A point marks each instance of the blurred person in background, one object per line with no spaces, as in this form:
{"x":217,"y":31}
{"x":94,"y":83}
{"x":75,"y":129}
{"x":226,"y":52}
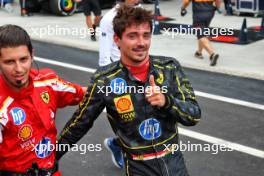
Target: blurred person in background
{"x":7,"y":5}
{"x":24,"y":8}
{"x":108,"y":50}
{"x":203,"y":13}
{"x":90,"y":6}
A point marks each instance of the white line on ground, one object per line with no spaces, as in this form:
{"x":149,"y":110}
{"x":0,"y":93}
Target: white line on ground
{"x":230,"y":100}
{"x":66,"y":65}
{"x":189,"y":133}
{"x":228,"y":144}
{"x":198,"y":93}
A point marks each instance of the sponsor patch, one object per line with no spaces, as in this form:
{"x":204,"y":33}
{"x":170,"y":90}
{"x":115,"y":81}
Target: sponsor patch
{"x":25,"y":132}
{"x":124,"y":104}
{"x":28,"y":145}
{"x":44,"y":148}
{"x":150,"y":129}
{"x":45,"y":97}
{"x":160,"y":80}
{"x":18,"y":115}
{"x":118,"y":86}
{"x":127,"y":117}
{"x":125,"y":108}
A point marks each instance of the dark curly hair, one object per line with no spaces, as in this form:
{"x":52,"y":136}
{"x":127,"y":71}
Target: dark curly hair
{"x":129,"y":15}
{"x":14,"y":36}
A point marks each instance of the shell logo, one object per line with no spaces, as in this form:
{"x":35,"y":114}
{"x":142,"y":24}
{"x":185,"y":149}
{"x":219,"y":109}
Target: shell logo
{"x":25,"y":132}
{"x":123,"y":104}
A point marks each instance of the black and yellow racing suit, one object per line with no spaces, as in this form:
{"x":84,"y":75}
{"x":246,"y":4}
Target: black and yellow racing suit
{"x":144,"y":131}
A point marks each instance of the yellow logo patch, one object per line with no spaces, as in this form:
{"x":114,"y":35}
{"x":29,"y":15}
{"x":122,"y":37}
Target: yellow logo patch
{"x":160,"y":80}
{"x":124,"y":104}
{"x":45,"y":97}
{"x":25,"y":132}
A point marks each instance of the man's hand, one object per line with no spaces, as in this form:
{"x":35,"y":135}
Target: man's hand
{"x":84,"y":89}
{"x":153,"y":94}
{"x":1,"y":136}
{"x":183,"y":11}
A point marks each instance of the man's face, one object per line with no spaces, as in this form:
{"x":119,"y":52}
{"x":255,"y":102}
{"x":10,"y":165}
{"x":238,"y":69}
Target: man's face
{"x":135,"y":43}
{"x":15,"y":65}
{"x":132,"y":2}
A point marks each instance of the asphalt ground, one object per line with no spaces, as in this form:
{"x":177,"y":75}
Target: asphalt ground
{"x":234,"y":123}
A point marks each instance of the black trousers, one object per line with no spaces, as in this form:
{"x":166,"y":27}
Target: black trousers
{"x":202,"y":20}
{"x":227,"y":2}
{"x":30,"y":5}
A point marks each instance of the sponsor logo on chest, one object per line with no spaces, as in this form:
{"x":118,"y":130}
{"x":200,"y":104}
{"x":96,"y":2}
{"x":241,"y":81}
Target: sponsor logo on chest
{"x":125,"y":108}
{"x":150,"y":129}
{"x":18,"y":115}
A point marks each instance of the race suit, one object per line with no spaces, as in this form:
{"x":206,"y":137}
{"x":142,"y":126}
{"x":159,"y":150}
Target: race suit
{"x":143,"y":130}
{"x":28,"y":120}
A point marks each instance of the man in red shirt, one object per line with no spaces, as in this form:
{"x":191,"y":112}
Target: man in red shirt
{"x":29,"y":99}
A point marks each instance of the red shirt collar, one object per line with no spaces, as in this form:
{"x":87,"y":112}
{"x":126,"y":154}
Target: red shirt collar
{"x":139,"y":72}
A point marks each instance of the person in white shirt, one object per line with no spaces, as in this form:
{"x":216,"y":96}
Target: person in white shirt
{"x":108,"y":51}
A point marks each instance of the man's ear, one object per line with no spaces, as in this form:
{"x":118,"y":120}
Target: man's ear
{"x":116,"y":40}
{"x":33,"y":54}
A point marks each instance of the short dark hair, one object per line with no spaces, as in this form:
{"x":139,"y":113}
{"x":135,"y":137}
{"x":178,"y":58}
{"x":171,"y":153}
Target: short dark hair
{"x":129,"y":15}
{"x":14,"y":36}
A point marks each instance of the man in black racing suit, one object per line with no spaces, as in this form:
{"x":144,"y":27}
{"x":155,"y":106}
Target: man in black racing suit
{"x":145,"y":98}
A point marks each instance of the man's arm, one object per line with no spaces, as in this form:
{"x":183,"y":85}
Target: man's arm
{"x":181,"y":102}
{"x":218,"y":3}
{"x":83,"y":118}
{"x":185,"y":4}
{"x":106,"y":41}
{"x":68,"y":93}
